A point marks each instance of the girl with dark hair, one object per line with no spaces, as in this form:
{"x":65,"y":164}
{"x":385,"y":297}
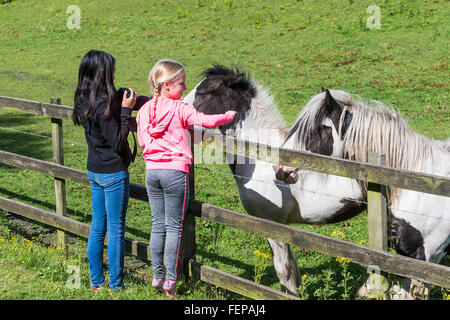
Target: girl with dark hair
{"x":105,"y":117}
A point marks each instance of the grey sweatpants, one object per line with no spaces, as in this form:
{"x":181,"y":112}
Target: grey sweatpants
{"x":168,"y":194}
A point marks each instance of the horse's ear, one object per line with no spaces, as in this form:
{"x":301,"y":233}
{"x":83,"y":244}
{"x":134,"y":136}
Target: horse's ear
{"x":323,"y":89}
{"x":239,"y":77}
{"x":232,"y":79}
{"x":210,"y":89}
{"x":330,"y":103}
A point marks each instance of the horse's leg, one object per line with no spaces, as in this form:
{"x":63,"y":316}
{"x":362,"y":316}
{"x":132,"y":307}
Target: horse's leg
{"x":409,"y":242}
{"x":285,"y":266}
{"x":410,"y":289}
{"x":421,"y":290}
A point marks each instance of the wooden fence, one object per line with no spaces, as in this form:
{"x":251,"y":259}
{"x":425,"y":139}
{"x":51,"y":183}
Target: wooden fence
{"x":374,"y":173}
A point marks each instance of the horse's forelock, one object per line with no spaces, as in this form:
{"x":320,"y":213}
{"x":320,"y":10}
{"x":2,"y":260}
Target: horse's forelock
{"x":218,"y":70}
{"x":331,"y":104}
{"x":224,"y":89}
{"x":208,"y":86}
{"x":232,"y":78}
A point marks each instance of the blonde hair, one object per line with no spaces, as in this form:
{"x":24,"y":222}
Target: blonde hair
{"x":164,"y":70}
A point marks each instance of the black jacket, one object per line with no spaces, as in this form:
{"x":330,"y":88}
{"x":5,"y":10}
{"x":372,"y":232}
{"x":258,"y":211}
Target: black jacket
{"x":108,"y":149}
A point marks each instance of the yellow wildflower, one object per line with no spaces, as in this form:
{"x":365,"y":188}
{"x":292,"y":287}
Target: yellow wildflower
{"x":343,"y":261}
{"x":264,"y":255}
{"x":337,"y":234}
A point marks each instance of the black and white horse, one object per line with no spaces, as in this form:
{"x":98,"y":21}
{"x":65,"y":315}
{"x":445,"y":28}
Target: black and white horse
{"x":317,"y":198}
{"x":341,"y":126}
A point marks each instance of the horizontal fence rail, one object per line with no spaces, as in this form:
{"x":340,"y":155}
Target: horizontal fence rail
{"x":386,"y":261}
{"x":37,"y":108}
{"x":410,"y":180}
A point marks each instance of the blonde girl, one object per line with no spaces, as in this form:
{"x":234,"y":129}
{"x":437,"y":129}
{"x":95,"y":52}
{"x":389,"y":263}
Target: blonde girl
{"x":163,"y":125}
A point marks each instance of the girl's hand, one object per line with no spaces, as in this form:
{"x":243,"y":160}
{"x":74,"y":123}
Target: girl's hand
{"x":129,"y":102}
{"x":231,"y":113}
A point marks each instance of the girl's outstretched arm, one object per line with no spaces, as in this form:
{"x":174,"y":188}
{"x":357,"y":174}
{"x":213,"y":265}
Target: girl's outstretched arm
{"x":193,"y":117}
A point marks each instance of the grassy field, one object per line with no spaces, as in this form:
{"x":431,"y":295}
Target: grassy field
{"x":292,"y":47}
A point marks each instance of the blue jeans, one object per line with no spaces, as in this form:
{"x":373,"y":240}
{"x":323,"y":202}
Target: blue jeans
{"x":110,"y":193}
{"x":168,"y":193}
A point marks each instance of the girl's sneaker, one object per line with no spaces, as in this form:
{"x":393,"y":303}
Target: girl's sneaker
{"x":158,"y":284}
{"x":118,"y":289}
{"x":170,"y":288}
{"x":97,"y":288}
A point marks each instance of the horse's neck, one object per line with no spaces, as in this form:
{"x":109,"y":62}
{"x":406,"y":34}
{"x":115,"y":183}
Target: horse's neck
{"x":255,"y":130}
{"x":441,"y":158}
{"x":383,"y":131}
{"x":262,"y":131}
{"x":262,"y":123}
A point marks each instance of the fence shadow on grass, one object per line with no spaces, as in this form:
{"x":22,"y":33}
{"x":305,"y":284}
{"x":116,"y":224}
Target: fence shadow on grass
{"x":16,"y":142}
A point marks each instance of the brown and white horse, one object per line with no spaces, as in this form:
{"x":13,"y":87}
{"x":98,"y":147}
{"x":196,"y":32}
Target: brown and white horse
{"x":315,"y":199}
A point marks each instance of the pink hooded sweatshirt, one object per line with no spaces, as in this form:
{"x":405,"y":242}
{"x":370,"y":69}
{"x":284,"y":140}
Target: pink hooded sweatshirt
{"x":164,"y":134}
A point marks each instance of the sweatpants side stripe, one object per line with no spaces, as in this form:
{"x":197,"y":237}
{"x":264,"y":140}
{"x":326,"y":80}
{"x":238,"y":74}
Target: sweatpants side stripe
{"x":181,"y":229}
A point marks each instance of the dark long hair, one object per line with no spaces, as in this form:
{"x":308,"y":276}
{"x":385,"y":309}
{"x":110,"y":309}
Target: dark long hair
{"x":95,"y":80}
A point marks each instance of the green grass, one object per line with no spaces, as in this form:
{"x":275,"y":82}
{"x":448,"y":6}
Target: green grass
{"x":293,"y":48}
{"x":41,"y":271}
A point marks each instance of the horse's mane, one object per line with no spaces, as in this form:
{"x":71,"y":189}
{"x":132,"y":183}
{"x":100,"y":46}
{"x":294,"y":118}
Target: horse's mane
{"x":264,"y":111}
{"x":219,"y":70}
{"x":374,"y":127}
{"x":244,"y":83}
{"x":381,"y":129}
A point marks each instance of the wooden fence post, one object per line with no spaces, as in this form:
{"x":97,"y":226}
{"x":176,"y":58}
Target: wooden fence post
{"x":377,"y":223}
{"x":186,"y":265}
{"x":60,"y":184}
